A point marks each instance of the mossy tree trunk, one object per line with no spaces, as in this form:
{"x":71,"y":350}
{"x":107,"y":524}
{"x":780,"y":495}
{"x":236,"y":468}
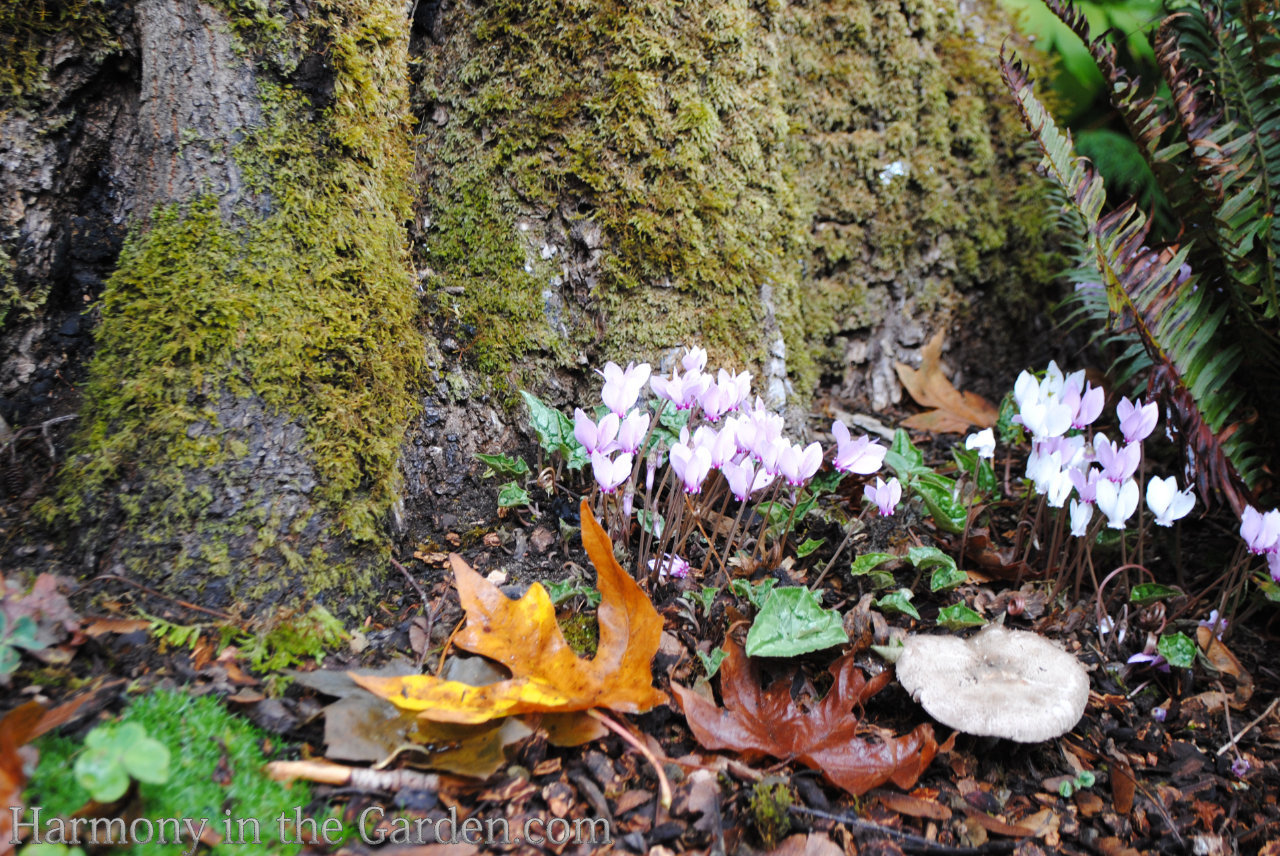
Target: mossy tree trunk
{"x":259,"y":197}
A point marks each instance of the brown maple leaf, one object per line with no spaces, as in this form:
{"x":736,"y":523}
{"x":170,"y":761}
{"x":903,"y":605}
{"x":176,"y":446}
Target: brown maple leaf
{"x":954,"y":411}
{"x":824,"y":737}
{"x":547,"y":676}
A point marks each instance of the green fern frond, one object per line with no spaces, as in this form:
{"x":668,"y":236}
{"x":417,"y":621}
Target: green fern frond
{"x":1155,"y":301}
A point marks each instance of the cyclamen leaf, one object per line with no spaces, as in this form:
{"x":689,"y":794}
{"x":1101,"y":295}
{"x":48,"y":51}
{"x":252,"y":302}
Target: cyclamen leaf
{"x":754,"y":593}
{"x":793,"y":622}
{"x":899,"y":601}
{"x":1178,"y":649}
{"x":1145,"y":593}
{"x":512,"y":495}
{"x":504,"y":465}
{"x":555,"y":432}
{"x":711,"y":662}
{"x":826,"y":736}
{"x":867,"y":562}
{"x":809,"y":546}
{"x":958,"y":616}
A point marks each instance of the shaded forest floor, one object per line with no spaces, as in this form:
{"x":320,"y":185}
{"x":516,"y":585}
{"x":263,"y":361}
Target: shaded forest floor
{"x":1177,"y":762}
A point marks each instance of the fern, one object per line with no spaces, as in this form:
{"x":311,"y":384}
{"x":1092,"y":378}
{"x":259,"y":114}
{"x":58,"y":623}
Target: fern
{"x":1164,"y":308}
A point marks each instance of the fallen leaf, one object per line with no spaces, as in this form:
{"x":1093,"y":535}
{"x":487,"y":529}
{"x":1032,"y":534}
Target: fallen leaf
{"x":954,"y":411}
{"x":813,"y":844}
{"x":913,"y":806}
{"x":826,"y":737}
{"x":1222,"y":660}
{"x":524,"y":636}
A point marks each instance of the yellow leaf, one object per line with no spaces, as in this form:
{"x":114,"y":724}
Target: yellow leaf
{"x":524,"y":636}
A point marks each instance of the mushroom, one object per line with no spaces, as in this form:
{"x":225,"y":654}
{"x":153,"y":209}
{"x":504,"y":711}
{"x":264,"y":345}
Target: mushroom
{"x":998,"y":683}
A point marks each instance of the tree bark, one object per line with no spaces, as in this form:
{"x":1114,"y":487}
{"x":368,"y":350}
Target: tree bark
{"x":264,"y":215}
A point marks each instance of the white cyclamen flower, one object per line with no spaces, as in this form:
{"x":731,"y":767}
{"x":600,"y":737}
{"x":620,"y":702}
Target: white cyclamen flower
{"x":1166,"y":502}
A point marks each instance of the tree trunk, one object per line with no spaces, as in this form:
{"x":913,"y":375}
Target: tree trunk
{"x":807,"y":188}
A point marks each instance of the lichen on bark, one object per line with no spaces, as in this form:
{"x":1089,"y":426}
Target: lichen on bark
{"x":250,"y":389}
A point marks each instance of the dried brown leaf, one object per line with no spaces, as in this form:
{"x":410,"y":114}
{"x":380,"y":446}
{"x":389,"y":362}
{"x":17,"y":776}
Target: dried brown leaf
{"x":828,"y":736}
{"x":954,"y":411}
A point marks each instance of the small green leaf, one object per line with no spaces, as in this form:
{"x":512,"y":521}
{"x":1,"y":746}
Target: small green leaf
{"x":23,"y":633}
{"x":809,"y":546}
{"x":904,"y":458}
{"x":945,"y":579}
{"x":711,"y":662}
{"x":147,"y":760}
{"x":9,"y":659}
{"x":1085,"y":779}
{"x":755,"y":593}
{"x":512,"y":495}
{"x":504,"y":465}
{"x":707,"y":597}
{"x":1145,"y":593}
{"x":566,"y":589}
{"x":826,"y":482}
{"x":1009,"y":432}
{"x":650,"y":521}
{"x":899,"y":601}
{"x":1066,"y":789}
{"x":1178,"y":649}
{"x":925,"y":558}
{"x":938,"y":494}
{"x":555,"y":432}
{"x":792,"y":622}
{"x":958,"y":616}
{"x":868,"y":562}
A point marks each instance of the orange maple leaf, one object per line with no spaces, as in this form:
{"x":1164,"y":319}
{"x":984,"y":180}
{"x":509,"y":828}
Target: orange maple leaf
{"x":954,"y":411}
{"x":523,"y":635}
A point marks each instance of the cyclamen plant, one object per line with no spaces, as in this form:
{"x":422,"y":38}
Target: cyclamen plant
{"x":715,"y":441}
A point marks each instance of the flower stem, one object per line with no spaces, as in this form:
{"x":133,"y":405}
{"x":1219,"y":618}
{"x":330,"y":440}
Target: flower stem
{"x":664,"y":786}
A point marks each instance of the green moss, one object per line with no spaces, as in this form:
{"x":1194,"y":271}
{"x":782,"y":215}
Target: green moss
{"x":26,"y":29}
{"x":581,"y":632}
{"x":307,"y":311}
{"x":216,"y":765}
{"x":769,"y":804}
{"x":716,"y":148}
{"x":663,"y":122}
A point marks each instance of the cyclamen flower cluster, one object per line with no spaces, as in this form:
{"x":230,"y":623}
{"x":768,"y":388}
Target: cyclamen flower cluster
{"x":1101,"y":472}
{"x":1261,"y":533}
{"x":740,"y":438}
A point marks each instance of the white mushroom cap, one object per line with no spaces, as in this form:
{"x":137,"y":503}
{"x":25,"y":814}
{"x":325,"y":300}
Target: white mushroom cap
{"x":998,"y":683}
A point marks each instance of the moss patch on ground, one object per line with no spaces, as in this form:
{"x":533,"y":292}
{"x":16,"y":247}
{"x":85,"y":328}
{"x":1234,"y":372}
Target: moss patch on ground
{"x":307,"y":311}
{"x":216,"y":765}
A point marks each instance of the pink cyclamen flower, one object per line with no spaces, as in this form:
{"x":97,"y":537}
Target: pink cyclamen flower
{"x":691,"y":465}
{"x":622,"y":386}
{"x":1166,"y":502}
{"x":1137,"y":420}
{"x":798,"y":465}
{"x":1240,"y":767}
{"x":610,"y":473}
{"x":595,"y":437}
{"x":1118,"y":462}
{"x":884,"y":494}
{"x":1273,"y":565}
{"x":716,"y":401}
{"x":1154,"y":660}
{"x":695,"y":360}
{"x":1085,"y":483}
{"x":1117,"y":502}
{"x":670,"y":565}
{"x":1088,"y":406}
{"x":632,"y":431}
{"x":1261,"y":532}
{"x":744,"y":479}
{"x":862,"y":456}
